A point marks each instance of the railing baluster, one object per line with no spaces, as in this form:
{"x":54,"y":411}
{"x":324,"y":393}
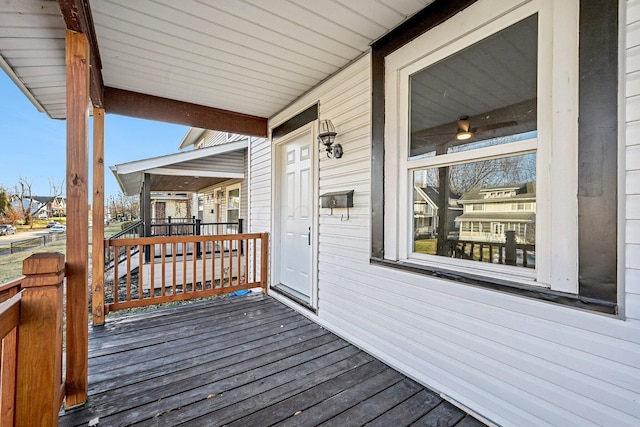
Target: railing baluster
{"x":116,"y":274}
{"x":163,"y":264}
{"x":246,"y":262}
{"x":222,"y":250}
{"x":184,"y":267}
{"x":203,"y":261}
{"x":213,"y":266}
{"x":152,"y":272}
{"x":239,"y":255}
{"x":174,"y":259}
{"x":140,"y":270}
{"x":128,"y":252}
{"x":194,"y":266}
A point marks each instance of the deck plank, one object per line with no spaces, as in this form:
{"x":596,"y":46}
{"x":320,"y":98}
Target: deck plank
{"x":274,"y":396}
{"x":408,"y":411}
{"x":217,"y":383}
{"x":366,"y":410}
{"x":443,"y":415}
{"x":201,"y":365}
{"x":243,"y":361}
{"x":344,"y":400}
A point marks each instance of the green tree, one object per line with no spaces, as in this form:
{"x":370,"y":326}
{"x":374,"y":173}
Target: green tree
{"x":4,"y":202}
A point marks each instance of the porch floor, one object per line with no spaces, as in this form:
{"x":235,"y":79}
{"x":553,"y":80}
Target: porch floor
{"x":244,"y":361}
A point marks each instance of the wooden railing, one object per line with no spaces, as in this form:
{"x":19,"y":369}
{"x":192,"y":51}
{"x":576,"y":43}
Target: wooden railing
{"x":31,"y":311}
{"x":10,"y":296}
{"x":156,"y":270}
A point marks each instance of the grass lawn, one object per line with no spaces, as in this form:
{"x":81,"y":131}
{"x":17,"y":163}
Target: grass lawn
{"x":11,"y":265}
{"x":425,"y":246}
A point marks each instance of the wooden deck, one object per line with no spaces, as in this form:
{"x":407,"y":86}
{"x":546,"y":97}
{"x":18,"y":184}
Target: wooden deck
{"x":244,"y":361}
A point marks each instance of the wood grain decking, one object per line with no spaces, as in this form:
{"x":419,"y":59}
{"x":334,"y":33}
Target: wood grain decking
{"x":244,"y":361}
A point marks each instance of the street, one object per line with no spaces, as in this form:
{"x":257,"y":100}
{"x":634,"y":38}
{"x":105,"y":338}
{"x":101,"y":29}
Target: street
{"x":25,"y":235}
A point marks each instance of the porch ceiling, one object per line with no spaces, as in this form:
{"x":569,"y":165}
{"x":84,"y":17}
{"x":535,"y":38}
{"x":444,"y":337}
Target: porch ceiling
{"x":252,"y":56}
{"x":184,"y":172}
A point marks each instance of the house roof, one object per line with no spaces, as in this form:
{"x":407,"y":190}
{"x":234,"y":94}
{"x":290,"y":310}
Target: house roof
{"x":523,"y":191}
{"x":186,"y":171}
{"x":240,"y":61}
{"x":497,"y":216}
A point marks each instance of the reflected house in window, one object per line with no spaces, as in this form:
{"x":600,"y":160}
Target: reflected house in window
{"x":489,"y":212}
{"x":425,"y":211}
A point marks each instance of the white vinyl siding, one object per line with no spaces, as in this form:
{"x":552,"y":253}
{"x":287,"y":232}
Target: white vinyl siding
{"x":260,"y":209}
{"x":514,"y":360}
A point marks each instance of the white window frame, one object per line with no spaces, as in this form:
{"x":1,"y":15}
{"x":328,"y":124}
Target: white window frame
{"x":228,"y":191}
{"x":556,"y":145}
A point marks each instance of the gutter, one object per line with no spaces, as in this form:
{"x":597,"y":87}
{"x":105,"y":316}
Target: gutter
{"x":16,"y":80}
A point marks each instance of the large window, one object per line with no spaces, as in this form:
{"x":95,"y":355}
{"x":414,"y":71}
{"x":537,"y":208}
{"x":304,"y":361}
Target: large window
{"x":475,"y":145}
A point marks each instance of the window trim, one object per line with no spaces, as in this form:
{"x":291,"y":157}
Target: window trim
{"x":554,"y":207}
{"x":228,"y":190}
{"x":600,"y":59}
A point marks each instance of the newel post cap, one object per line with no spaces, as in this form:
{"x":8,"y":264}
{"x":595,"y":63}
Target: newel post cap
{"x":43,"y":263}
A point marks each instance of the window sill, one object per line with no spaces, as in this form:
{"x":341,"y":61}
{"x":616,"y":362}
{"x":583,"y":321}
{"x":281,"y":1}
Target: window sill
{"x":528,"y":291}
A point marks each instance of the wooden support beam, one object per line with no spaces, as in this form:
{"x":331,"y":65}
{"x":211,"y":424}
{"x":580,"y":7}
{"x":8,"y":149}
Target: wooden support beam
{"x":39,"y":372}
{"x":78,"y":18}
{"x":77,"y":63}
{"x":97,"y":245}
{"x":135,"y":104}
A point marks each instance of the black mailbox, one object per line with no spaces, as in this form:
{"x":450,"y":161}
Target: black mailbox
{"x":337,"y":200}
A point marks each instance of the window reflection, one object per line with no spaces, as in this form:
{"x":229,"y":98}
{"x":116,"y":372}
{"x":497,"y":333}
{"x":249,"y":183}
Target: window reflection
{"x":486,"y":92}
{"x":482,"y":211}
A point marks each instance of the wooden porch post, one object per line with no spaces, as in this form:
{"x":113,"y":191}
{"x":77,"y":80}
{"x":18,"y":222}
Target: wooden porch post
{"x":77,"y":62}
{"x":39,"y":381}
{"x":97,"y":246}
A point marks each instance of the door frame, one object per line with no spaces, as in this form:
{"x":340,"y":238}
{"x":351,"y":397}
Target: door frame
{"x":276,"y":164}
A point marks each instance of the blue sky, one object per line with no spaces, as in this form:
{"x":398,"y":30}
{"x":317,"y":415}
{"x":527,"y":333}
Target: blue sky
{"x":34,"y":146}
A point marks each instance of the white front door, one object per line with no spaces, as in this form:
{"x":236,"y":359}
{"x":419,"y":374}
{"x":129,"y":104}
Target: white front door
{"x":295,"y":215}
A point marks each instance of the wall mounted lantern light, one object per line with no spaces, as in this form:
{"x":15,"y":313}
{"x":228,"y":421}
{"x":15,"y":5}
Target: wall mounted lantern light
{"x":327,"y":136}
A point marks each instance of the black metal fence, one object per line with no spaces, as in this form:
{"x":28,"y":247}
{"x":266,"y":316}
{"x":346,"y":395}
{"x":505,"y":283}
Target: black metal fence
{"x":28,"y":244}
{"x":193,"y":227}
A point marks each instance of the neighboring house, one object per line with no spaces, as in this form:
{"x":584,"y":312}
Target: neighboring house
{"x":211,"y":176}
{"x":490,"y":211}
{"x":225,"y":201}
{"x":170,"y":205}
{"x":55,"y":206}
{"x":37,"y":208}
{"x":425,"y":212}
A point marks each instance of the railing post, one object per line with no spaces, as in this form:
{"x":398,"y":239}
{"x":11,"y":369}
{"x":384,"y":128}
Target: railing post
{"x":264,"y":261}
{"x":196,"y":232}
{"x":240,"y":230}
{"x":510,"y":248}
{"x":169,"y":221}
{"x":39,"y":388}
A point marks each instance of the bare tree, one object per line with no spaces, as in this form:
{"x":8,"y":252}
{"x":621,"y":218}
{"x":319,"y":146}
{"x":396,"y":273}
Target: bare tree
{"x":22,"y":193}
{"x":123,"y":208}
